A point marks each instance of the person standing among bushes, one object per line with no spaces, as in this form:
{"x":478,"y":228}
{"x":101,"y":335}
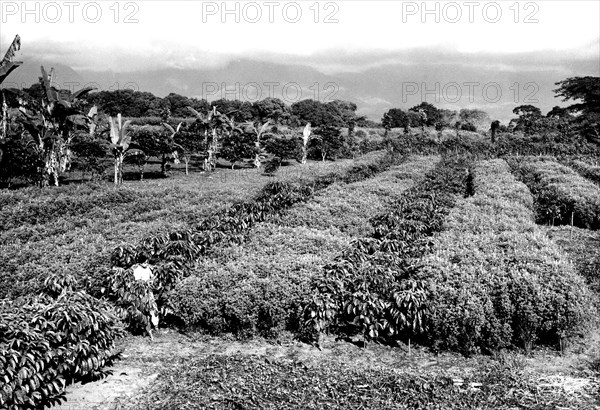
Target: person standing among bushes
{"x":143,"y":272}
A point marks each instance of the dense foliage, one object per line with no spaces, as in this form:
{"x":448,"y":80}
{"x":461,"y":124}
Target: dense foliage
{"x":585,"y":169}
{"x":561,"y":194}
{"x":46,"y":344}
{"x":494,"y":280}
{"x":370,"y":289}
{"x":173,"y":254}
{"x":259,"y":288}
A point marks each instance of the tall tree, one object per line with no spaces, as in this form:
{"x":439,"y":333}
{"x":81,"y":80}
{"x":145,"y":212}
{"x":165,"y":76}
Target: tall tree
{"x":7,"y":66}
{"x":328,"y":141}
{"x":238,"y":145}
{"x":430,"y":114}
{"x":272,"y":109}
{"x":586,"y":91}
{"x":395,"y":118}
{"x":494,"y":128}
{"x":529,"y":118}
{"x":477,"y":118}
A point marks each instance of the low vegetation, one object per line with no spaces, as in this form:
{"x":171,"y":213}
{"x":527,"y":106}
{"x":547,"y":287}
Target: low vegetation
{"x":255,"y":382}
{"x":370,"y":289}
{"x":562,"y":196}
{"x":388,"y":247}
{"x":586,"y":170}
{"x":495,"y":280}
{"x":259,"y":288}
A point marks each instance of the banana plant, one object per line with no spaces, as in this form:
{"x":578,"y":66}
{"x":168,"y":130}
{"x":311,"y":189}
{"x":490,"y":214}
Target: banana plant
{"x":205,"y":123}
{"x":52,"y":122}
{"x":305,"y":138}
{"x":120,"y":139}
{"x":7,"y":65}
{"x":259,"y":131}
{"x":214,"y":125}
{"x":172,"y":150}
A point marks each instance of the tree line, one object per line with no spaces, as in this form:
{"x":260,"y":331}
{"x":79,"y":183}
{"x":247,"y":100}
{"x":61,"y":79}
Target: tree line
{"x":44,"y":129}
{"x":581,"y":118}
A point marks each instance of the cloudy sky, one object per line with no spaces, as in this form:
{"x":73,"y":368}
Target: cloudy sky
{"x":331,"y":36}
{"x":369,"y":50}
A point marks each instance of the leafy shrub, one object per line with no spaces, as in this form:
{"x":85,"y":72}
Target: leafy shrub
{"x":494,"y":279}
{"x":18,"y":159}
{"x":591,"y":172}
{"x":468,"y":127}
{"x":560,"y":193}
{"x":256,"y":288}
{"x":177,"y":251}
{"x":348,"y":207}
{"x":133,"y":299}
{"x":46,"y":344}
{"x":369,"y":289}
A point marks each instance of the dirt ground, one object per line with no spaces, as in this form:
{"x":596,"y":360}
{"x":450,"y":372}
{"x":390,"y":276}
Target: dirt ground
{"x":143,"y":360}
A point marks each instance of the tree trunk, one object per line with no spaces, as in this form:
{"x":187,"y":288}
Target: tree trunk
{"x":163,"y":165}
{"x":116,"y":170}
{"x":304,"y":154}
{"x":324,"y":155}
{"x":187,"y":161}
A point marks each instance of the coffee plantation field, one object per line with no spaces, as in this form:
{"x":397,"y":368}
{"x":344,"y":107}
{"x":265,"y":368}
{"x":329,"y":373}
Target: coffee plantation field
{"x":263,"y":256}
{"x":342,"y":294}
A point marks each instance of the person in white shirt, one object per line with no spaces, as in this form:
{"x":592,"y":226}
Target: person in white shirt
{"x":143,"y":272}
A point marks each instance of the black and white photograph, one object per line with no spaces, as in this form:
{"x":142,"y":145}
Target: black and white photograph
{"x":299,"y":205}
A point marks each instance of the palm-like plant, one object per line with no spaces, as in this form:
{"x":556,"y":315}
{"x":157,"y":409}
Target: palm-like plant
{"x":51,"y":122}
{"x":120,"y":139}
{"x":259,"y":131}
{"x":305,"y":138}
{"x":216,"y":124}
{"x":7,"y":65}
{"x":172,"y":150}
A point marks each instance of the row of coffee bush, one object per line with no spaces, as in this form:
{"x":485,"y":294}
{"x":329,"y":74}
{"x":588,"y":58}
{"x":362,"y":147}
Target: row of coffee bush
{"x":494,"y":280}
{"x":347,"y":208}
{"x":64,"y":336}
{"x":173,"y":255}
{"x":259,"y":288}
{"x":561,"y":194}
{"x":48,"y":343}
{"x":370,"y":289}
{"x":586,"y":170}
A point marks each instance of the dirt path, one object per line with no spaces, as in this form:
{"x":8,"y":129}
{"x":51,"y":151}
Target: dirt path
{"x":143,"y":360}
